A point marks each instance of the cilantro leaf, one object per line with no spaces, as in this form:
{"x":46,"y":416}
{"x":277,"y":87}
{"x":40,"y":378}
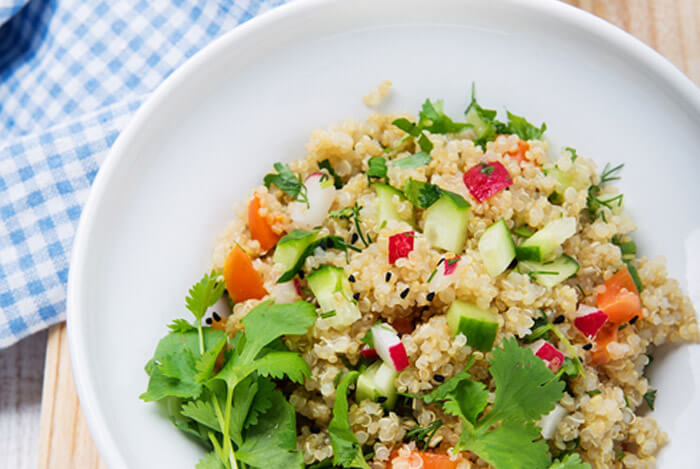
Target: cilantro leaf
{"x":271,"y":442}
{"x":262,"y":401}
{"x":210,"y":461}
{"x":337,"y":180}
{"x":511,"y":445}
{"x":522,"y":128}
{"x":377,"y":168}
{"x":173,"y":405}
{"x":525,"y":389}
{"x":570,"y":461}
{"x":414,"y":161}
{"x":205,"y":364}
{"x":201,"y":411}
{"x":204,"y":294}
{"x":347,"y":451}
{"x":180,"y":325}
{"x":280,"y":364}
{"x":407,"y":126}
{"x":468,"y":400}
{"x":421,"y":194}
{"x":433,"y":119}
{"x":443,"y":391}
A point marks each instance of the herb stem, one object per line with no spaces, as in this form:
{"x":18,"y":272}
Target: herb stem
{"x":201,"y":336}
{"x":217,"y":446}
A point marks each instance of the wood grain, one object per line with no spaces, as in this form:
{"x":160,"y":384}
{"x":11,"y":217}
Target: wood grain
{"x":672,"y":27}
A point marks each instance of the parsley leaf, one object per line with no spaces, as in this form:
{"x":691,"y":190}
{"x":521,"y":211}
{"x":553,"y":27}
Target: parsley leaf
{"x":325,"y":243}
{"x":377,"y":168}
{"x":287,"y":181}
{"x":421,"y":194}
{"x":414,"y":161}
{"x":337,"y":180}
{"x":347,"y":451}
{"x":570,"y":461}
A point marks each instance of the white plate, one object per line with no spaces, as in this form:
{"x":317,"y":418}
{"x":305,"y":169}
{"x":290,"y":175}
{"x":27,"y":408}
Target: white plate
{"x":215,"y":127}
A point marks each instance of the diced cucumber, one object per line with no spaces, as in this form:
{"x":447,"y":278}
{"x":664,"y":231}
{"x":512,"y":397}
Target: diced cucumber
{"x":333,"y":292}
{"x":446,"y":222}
{"x":376,"y":383}
{"x":292,"y":245}
{"x":478,"y":325}
{"x":497,"y":248}
{"x":549,"y":274}
{"x":387,"y":198}
{"x":542,"y":246}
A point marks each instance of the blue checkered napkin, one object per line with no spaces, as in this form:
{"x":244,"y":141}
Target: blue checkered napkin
{"x":72,"y":73}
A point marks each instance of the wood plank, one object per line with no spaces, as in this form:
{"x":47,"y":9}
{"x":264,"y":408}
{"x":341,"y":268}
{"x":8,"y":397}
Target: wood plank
{"x":64,"y":438}
{"x":672,"y":27}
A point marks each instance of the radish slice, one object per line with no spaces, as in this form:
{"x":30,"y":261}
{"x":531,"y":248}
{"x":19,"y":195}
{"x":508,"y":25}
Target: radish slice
{"x":551,"y":356}
{"x":551,"y":421}
{"x":320,"y":195}
{"x":221,"y":307}
{"x":389,"y":346}
{"x":486,"y":180}
{"x":589,"y":320}
{"x":400,"y":245}
{"x":444,"y":275}
{"x":369,"y":353}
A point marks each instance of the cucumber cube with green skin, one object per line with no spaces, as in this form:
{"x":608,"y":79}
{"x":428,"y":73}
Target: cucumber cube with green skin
{"x":446,"y":222}
{"x":478,"y":325}
{"x":376,"y":384}
{"x":544,"y":244}
{"x":387,"y":199}
{"x":332,"y":290}
{"x":549,"y":274}
{"x":292,"y":245}
{"x":497,"y":248}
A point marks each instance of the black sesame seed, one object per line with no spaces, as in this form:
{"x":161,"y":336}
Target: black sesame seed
{"x":588,"y":346}
{"x":314,"y":429}
{"x":381,"y":399}
{"x":301,"y":274}
{"x":351,"y":278}
{"x":559,"y":319}
{"x":208,"y":320}
{"x":404,"y":293}
{"x":356,"y":296}
{"x":387,"y":276}
{"x":439,"y":378}
{"x":430,"y":296}
{"x":634,"y":319}
{"x":217,"y":318}
{"x":354,"y":238}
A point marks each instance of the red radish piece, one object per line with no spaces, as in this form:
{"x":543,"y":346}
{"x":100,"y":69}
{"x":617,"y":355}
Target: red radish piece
{"x":320,"y":196}
{"x":589,"y":320}
{"x":487,"y":179}
{"x":400,"y":245}
{"x":451,"y":265}
{"x":297,"y":286}
{"x":551,"y":356}
{"x":369,"y":353}
{"x":389,"y":346}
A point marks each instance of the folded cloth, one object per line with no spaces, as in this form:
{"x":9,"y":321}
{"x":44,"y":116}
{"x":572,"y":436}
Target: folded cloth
{"x":72,"y":73}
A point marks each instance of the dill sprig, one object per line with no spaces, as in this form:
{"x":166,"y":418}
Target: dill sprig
{"x":595,"y":202}
{"x":423,"y":435}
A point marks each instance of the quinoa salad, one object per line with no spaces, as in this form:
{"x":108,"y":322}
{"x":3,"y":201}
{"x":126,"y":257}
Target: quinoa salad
{"x":423,"y":292}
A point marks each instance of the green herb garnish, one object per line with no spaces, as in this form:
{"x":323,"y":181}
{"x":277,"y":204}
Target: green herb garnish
{"x":570,"y":461}
{"x":337,"y":180}
{"x":423,"y":435}
{"x":377,"y":168}
{"x":595,"y":204}
{"x":573,"y":153}
{"x":421,"y":194}
{"x":347,"y":451}
{"x":650,"y":398}
{"x":287,"y":182}
{"x":414,"y":161}
{"x":543,"y":327}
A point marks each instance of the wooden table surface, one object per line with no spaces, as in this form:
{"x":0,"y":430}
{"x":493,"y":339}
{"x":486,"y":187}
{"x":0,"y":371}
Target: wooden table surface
{"x":672,"y":27}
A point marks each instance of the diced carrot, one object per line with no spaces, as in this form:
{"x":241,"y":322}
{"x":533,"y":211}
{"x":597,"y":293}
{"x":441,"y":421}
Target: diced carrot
{"x":619,"y":299}
{"x":430,"y":460}
{"x":260,"y":229}
{"x":243,"y":282}
{"x":607,"y":334}
{"x":519,"y":154}
{"x":403,"y":325}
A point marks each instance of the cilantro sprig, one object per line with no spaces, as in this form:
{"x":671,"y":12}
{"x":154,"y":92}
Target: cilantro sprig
{"x":233,"y":406}
{"x":347,"y":451}
{"x":506,"y":435}
{"x":287,"y":182}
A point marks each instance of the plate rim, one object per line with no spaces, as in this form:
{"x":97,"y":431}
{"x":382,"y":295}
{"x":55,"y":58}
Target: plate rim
{"x":594,"y":26}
